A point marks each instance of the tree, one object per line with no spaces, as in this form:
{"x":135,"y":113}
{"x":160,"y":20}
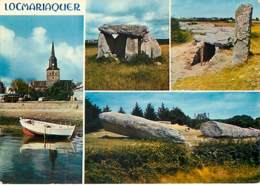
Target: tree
{"x":92,"y":117}
{"x":137,"y":111}
{"x":242,"y":121}
{"x":20,"y":87}
{"x":177,"y":116}
{"x":150,"y":112}
{"x":163,"y":113}
{"x":121,"y":110}
{"x":106,"y":109}
{"x":61,"y":90}
{"x":257,"y":123}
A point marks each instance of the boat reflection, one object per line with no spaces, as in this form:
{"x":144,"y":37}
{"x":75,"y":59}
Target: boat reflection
{"x":53,"y":146}
{"x":61,"y":146}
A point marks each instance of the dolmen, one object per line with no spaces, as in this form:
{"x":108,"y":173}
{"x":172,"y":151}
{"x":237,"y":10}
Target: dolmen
{"x":217,"y":129}
{"x":137,"y":127}
{"x":126,"y":41}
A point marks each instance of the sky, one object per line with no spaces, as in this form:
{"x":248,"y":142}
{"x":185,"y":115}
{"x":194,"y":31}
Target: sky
{"x":152,"y":13}
{"x":25,"y":46}
{"x":210,"y":8}
{"x":219,"y":105}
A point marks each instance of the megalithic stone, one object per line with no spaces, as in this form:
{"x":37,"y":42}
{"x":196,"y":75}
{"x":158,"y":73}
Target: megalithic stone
{"x":137,"y":127}
{"x":242,"y":33}
{"x":217,"y":130}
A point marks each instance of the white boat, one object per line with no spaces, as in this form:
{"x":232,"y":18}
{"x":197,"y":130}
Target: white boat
{"x":34,"y":128}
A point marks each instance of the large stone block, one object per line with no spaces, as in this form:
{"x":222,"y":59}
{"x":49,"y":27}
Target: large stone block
{"x":242,"y":33}
{"x":103,"y":47}
{"x":217,"y":130}
{"x":151,"y":47}
{"x":136,"y":127}
{"x":131,"y":47}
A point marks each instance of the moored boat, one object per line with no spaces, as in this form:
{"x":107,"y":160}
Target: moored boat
{"x":41,"y":128}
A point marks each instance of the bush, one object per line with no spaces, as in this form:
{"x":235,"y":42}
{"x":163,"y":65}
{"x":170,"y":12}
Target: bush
{"x":179,"y":36}
{"x":230,"y":151}
{"x":9,"y":120}
{"x":131,"y":164}
{"x":145,"y":163}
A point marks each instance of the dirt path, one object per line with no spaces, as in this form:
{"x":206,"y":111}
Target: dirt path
{"x":182,"y":56}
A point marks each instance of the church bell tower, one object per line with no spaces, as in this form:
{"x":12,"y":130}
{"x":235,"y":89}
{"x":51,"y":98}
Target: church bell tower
{"x":53,"y":72}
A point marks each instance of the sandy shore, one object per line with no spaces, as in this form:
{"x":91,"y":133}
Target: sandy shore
{"x":52,"y":110}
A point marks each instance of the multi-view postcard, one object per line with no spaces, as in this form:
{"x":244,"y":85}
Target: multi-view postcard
{"x":41,"y":94}
{"x":129,"y":91}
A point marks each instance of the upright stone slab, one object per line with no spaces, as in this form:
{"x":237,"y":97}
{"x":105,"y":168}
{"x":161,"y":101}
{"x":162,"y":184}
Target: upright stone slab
{"x":103,"y":47}
{"x":131,"y":47}
{"x":151,"y":47}
{"x":242,"y":33}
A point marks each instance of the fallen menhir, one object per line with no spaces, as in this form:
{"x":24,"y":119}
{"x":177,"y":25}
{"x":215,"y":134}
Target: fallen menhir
{"x":126,"y":41}
{"x":137,"y":127}
{"x":218,"y":130}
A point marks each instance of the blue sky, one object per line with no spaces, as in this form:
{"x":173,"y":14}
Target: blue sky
{"x":218,"y":104}
{"x":152,"y":13}
{"x":25,"y":45}
{"x":210,"y":8}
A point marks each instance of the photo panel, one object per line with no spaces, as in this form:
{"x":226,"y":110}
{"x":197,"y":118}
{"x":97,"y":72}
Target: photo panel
{"x":171,"y":137}
{"x":215,"y":45}
{"x":41,"y":95}
{"x":127,"y":45}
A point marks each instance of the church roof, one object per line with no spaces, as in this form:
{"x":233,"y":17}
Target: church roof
{"x":39,"y":84}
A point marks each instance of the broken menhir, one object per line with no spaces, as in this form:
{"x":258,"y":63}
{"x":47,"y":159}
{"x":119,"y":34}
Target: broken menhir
{"x":126,"y":41}
{"x":242,"y":33}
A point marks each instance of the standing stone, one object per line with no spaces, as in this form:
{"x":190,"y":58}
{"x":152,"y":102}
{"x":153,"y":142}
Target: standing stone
{"x":131,"y":47}
{"x":151,"y":47}
{"x":242,"y":33}
{"x":136,"y":127}
{"x":103,"y":48}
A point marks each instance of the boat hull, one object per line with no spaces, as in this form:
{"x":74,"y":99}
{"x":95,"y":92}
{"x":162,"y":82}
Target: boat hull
{"x":34,"y":128}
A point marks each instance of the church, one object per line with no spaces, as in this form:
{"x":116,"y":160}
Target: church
{"x":52,"y":74}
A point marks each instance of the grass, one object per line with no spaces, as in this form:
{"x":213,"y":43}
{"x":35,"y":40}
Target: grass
{"x":10,"y":125}
{"x":215,"y":174}
{"x":240,"y":77}
{"x":114,"y":76}
{"x":116,"y":159}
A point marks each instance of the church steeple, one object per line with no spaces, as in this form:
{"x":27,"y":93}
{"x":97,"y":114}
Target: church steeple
{"x":52,"y":50}
{"x":53,"y":60}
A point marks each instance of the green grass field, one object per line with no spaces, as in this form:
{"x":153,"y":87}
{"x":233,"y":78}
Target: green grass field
{"x":114,"y":76}
{"x":241,"y":77}
{"x":111,"y":158}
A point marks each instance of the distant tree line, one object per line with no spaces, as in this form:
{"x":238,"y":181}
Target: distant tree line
{"x":174,"y":115}
{"x":61,"y":90}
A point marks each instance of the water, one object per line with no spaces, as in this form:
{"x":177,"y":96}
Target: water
{"x":33,"y":162}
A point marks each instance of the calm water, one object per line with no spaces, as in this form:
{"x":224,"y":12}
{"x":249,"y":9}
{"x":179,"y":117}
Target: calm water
{"x":32,"y":161}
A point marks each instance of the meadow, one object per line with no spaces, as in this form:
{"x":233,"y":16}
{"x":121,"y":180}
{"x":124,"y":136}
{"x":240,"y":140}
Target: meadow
{"x":124,"y":76}
{"x":244,"y":76}
{"x":111,"y":158}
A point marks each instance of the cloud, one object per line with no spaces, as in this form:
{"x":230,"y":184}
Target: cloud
{"x":27,"y":57}
{"x":153,"y":13}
